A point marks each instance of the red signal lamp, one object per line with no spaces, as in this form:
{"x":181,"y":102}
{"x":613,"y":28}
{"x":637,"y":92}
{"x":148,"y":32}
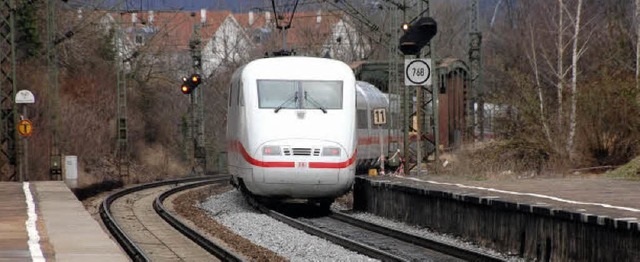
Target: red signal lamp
{"x":186,"y":89}
{"x":195,"y":79}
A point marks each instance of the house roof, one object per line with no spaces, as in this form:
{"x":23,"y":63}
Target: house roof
{"x":308,"y":29}
{"x":311,"y":29}
{"x":252,"y":20}
{"x":171,"y":29}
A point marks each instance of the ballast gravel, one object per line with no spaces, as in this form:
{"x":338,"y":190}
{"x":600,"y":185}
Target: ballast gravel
{"x":426,"y":233}
{"x":231,"y":210}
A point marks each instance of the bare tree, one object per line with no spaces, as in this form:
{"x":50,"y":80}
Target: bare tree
{"x":451,"y":39}
{"x":533,"y":58}
{"x":228,"y":48}
{"x":637,"y":23}
{"x":349,"y":44}
{"x":575,"y":56}
{"x":560,"y":71}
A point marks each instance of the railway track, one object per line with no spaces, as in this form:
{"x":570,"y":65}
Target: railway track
{"x":151,"y":236}
{"x":374,"y":240}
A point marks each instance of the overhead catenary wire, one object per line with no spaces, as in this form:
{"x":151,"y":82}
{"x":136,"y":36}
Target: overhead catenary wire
{"x":275,"y":13}
{"x":283,"y":29}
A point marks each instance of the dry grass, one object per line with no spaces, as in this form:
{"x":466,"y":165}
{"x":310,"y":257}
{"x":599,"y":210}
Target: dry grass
{"x":630,"y":170}
{"x":493,"y":160}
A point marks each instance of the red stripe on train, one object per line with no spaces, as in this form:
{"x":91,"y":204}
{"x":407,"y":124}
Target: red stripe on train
{"x":334,"y":165}
{"x":374,"y":140}
{"x":236,"y":146}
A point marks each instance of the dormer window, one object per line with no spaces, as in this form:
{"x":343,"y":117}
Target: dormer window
{"x":139,"y":39}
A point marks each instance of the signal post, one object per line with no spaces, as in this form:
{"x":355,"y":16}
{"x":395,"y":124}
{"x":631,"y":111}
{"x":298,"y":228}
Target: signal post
{"x":25,"y":129}
{"x":195,"y":144}
{"x":418,"y":72}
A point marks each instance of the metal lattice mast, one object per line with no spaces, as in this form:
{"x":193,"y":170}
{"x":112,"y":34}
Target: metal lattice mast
{"x":420,"y":102}
{"x":55,"y":158}
{"x":475,"y":66}
{"x":427,"y":105}
{"x":8,"y":112}
{"x":122,"y":147}
{"x":407,"y":108}
{"x":394,"y":75}
{"x":197,"y":108}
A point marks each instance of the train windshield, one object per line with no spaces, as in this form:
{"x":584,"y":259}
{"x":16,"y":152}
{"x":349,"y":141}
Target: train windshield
{"x":296,"y":94}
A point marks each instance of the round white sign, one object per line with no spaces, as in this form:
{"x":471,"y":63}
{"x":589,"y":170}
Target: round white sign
{"x":25,"y":97}
{"x":417,"y":72}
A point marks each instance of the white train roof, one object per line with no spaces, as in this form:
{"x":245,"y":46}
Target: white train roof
{"x":370,"y":95}
{"x":297,"y":67}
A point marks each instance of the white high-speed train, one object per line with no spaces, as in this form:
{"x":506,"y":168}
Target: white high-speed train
{"x":291,"y":128}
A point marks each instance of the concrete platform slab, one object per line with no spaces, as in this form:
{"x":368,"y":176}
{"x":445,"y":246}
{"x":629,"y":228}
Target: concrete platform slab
{"x":57,"y":229}
{"x":73,"y":233}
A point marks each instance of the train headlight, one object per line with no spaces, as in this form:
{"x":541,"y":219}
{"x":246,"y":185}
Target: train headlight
{"x":330,"y":151}
{"x":271,"y":150}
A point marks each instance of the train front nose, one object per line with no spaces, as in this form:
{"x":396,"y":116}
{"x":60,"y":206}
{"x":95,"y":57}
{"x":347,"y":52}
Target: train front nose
{"x":304,"y":168}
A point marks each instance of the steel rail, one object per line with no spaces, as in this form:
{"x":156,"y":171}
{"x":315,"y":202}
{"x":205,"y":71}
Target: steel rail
{"x":134,"y":252}
{"x":459,"y":252}
{"x":216,"y":249}
{"x":339,"y":240}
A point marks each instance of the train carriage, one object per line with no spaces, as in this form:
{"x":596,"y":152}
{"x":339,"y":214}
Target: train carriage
{"x":291,"y":128}
{"x":374,"y":139}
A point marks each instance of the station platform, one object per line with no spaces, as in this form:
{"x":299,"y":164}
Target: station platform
{"x":601,"y":196}
{"x":574,"y":218}
{"x":44,"y":221}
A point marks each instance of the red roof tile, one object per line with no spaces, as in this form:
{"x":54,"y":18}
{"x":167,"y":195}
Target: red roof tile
{"x":306,"y":31}
{"x":173,"y":30}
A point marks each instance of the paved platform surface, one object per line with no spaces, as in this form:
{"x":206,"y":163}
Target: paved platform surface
{"x":615,"y":198}
{"x":43,"y":220}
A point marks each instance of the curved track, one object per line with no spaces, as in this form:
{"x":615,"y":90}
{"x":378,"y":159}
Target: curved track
{"x":150,"y":236}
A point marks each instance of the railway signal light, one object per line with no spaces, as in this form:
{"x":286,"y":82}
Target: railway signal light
{"x":417,"y":35}
{"x":185,"y":87}
{"x":405,"y":27}
{"x":195,"y":80}
{"x":191,"y":83}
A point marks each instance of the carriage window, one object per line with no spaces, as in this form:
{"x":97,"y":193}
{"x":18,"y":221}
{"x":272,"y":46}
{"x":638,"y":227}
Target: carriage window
{"x":300,"y":94}
{"x":231,"y":91}
{"x":240,"y":97}
{"x":363,"y":121}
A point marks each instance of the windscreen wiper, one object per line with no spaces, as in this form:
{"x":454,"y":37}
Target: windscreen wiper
{"x":281,"y":106}
{"x":314,"y":102}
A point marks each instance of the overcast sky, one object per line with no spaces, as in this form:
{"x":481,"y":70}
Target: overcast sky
{"x":180,"y":4}
{"x":234,"y":5}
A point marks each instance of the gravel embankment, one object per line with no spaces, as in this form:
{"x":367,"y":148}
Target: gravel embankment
{"x":231,"y":210}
